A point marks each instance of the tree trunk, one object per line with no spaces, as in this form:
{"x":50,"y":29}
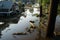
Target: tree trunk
{"x":52,"y":17}
{"x":40,"y":10}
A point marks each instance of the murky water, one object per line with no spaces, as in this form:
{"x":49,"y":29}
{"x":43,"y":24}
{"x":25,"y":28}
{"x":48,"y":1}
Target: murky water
{"x":19,"y":24}
{"x":57,"y":24}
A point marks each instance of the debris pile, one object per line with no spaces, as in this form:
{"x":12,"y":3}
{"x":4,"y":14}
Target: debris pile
{"x":20,"y":33}
{"x":29,"y":30}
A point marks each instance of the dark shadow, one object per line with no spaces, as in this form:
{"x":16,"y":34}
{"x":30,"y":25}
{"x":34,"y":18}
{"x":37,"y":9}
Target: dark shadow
{"x":8,"y":21}
{"x":2,"y":27}
{"x":14,"y":19}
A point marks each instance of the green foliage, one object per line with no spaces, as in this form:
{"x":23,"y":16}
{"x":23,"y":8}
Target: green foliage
{"x":37,"y":15}
{"x":58,"y":9}
{"x":43,"y":2}
{"x":20,"y":4}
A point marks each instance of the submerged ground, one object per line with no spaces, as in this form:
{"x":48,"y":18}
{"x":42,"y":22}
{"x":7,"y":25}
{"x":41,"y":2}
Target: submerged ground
{"x":20,"y":24}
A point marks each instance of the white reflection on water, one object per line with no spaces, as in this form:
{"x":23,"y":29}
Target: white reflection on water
{"x":21,"y":26}
{"x":57,"y":24}
{"x":1,"y":23}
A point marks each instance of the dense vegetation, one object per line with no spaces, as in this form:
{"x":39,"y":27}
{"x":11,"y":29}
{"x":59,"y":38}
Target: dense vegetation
{"x":59,"y":8}
{"x":46,"y":3}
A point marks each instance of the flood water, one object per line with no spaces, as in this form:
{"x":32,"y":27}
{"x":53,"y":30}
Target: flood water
{"x":21,"y":23}
{"x":57,"y":24}
{"x":18,"y":24}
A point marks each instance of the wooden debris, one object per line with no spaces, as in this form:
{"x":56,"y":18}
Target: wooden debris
{"x":32,"y":25}
{"x":22,"y":33}
{"x":57,"y":33}
{"x":32,"y":21}
{"x":29,"y":30}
